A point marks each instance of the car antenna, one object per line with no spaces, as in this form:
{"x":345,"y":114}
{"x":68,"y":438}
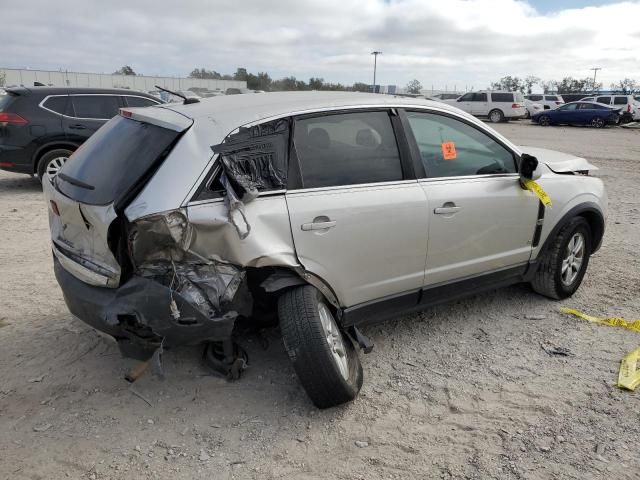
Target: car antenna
{"x":187,"y":100}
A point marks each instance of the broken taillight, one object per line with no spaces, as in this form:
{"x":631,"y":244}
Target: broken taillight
{"x":54,"y":207}
{"x":7,"y":118}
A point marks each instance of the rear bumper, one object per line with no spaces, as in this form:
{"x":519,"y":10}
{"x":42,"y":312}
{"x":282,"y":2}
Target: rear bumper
{"x":138,"y":314}
{"x":15,"y":159}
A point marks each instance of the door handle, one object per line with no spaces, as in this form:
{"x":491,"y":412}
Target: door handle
{"x":447,"y":209}
{"x":317,"y":225}
{"x":77,"y":126}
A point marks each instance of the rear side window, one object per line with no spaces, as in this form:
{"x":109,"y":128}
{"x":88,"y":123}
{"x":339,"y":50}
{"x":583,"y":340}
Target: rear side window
{"x":535,"y":98}
{"x":619,"y":100}
{"x":139,"y":102}
{"x":451,"y":148}
{"x":551,"y":98}
{"x":113,"y":160}
{"x":56,"y":104}
{"x":347,"y":149}
{"x":99,"y":107}
{"x":606,"y":100}
{"x":586,"y":106}
{"x":502,"y":97}
{"x":5,"y":101}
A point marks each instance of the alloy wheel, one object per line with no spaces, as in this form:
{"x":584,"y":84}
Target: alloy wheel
{"x":334,"y":339}
{"x":54,"y":166}
{"x":574,"y":257}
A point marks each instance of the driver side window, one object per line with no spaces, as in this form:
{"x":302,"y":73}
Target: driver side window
{"x":451,"y":148}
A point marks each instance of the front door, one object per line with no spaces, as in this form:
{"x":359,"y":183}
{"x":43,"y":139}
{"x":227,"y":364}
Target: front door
{"x":480,"y":104}
{"x":358,"y":221}
{"x":480,"y":220}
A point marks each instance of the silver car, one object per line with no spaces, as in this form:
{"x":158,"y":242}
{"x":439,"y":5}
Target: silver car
{"x":325,"y":211}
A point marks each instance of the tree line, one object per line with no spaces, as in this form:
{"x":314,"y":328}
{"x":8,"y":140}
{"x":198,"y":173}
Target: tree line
{"x":566,"y":85}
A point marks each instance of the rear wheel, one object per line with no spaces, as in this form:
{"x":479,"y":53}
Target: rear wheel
{"x":544,"y":120}
{"x":597,"y":122}
{"x":323,"y":357}
{"x":496,"y":116}
{"x":51,"y":162}
{"x":563,"y":265}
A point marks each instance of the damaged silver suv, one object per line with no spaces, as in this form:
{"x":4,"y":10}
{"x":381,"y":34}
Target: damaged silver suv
{"x":325,"y":211}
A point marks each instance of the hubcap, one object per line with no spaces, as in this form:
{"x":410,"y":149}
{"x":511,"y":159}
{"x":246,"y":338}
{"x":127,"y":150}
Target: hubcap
{"x":54,"y":166}
{"x":334,"y":340}
{"x":574,"y":257}
{"x":495,"y":117}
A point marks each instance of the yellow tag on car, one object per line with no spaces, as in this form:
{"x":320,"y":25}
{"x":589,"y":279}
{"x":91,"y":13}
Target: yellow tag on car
{"x":534,"y":187}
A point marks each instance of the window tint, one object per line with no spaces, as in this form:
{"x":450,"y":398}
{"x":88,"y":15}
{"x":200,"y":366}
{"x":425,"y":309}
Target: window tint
{"x":479,"y":97}
{"x":114,"y":159}
{"x":467,"y":97}
{"x":95,"y":106}
{"x":450,"y":148}
{"x":619,"y":100}
{"x":606,"y":100}
{"x":551,"y":98}
{"x":535,"y":98}
{"x":139,"y":101}
{"x":347,"y":149}
{"x":502,"y":97}
{"x":56,"y":104}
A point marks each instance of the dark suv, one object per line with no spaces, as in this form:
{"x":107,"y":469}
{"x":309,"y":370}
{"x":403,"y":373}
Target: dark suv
{"x":41,"y":126}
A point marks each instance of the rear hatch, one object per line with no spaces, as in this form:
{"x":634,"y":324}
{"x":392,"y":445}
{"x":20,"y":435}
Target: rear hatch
{"x":97,"y":183}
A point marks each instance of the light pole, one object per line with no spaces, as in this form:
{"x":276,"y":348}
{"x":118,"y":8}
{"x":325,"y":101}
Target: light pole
{"x":375,"y":64}
{"x":595,"y":72}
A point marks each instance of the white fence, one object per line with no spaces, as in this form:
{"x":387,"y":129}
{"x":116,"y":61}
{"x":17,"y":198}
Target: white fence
{"x":22,"y":77}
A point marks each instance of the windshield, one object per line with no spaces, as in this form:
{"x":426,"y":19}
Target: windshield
{"x":113,"y":160}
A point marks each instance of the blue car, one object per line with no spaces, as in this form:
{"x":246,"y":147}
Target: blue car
{"x":579,"y":113}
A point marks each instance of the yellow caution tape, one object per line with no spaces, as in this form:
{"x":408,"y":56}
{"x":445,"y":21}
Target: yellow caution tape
{"x":629,"y":377}
{"x":612,"y":322}
{"x":534,"y":187}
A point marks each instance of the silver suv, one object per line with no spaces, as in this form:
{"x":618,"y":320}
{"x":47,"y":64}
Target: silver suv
{"x":326,"y":211}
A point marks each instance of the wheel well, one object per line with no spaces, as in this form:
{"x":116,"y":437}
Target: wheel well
{"x":47,"y":148}
{"x":596,"y":224}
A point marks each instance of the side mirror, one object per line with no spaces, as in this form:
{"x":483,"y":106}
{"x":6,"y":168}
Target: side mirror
{"x":528,"y":167}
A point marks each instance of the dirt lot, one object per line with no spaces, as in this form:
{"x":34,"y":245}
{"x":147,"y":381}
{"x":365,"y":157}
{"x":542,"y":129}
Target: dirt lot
{"x":463,"y":390}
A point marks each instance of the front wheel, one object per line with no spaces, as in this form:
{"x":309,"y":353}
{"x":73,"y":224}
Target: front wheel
{"x":597,"y":122}
{"x":52,"y":162}
{"x":544,"y":120}
{"x":323,"y":357}
{"x":563,"y":265}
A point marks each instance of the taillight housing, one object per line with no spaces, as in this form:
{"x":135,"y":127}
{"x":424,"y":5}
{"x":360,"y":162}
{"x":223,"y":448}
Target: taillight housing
{"x":516,"y":105}
{"x":7,"y":118}
{"x":629,"y":108}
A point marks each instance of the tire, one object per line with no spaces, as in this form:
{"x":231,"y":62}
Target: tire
{"x":527,"y":115}
{"x":626,"y":118}
{"x":549,"y":279}
{"x":544,"y":120}
{"x":496,"y":116}
{"x":51,"y":162}
{"x":598,"y":122}
{"x":306,"y":341}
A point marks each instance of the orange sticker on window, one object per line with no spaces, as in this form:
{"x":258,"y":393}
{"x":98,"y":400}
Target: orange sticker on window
{"x":449,"y":150}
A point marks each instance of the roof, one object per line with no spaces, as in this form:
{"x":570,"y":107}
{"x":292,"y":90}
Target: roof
{"x":72,"y":90}
{"x":232,"y":111}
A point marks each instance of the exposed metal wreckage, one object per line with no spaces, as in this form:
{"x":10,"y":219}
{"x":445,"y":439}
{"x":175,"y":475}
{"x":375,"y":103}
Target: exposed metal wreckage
{"x":202,"y":289}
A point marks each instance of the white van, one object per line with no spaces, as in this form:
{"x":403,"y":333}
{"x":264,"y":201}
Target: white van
{"x":498,"y":106}
{"x":548,"y":102}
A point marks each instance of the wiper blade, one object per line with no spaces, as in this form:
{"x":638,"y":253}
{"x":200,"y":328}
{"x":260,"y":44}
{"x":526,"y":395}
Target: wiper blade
{"x":75,"y":181}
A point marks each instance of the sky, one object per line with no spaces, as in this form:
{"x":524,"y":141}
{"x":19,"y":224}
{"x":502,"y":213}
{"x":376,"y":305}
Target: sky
{"x":461,"y":43}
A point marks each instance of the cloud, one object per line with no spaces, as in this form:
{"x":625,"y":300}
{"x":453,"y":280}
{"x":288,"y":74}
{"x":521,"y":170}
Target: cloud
{"x":463,"y":42}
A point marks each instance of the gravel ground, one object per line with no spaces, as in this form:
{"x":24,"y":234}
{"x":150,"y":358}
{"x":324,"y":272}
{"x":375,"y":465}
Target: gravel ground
{"x":463,"y":390}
